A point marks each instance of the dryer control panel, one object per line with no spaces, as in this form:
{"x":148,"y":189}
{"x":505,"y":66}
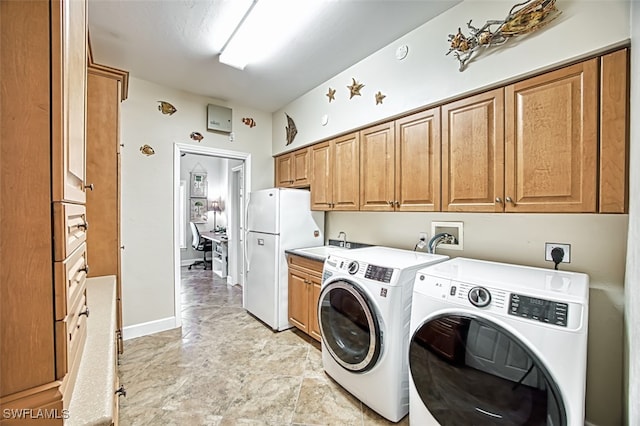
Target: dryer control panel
{"x":539,"y":309}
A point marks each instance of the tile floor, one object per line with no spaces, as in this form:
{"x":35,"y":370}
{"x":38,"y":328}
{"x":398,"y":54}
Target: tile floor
{"x":224,"y":367}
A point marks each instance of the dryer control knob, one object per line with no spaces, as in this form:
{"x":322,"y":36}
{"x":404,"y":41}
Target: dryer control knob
{"x":479,"y":296}
{"x":353,"y":267}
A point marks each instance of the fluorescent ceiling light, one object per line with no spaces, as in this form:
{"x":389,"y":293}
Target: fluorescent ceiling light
{"x":268,"y":26}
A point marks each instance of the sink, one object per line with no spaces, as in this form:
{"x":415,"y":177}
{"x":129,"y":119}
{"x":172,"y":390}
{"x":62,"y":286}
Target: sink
{"x":321,"y":251}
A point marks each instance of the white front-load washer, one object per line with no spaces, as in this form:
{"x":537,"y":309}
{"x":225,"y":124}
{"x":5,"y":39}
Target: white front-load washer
{"x":363,"y":312}
{"x":497,"y":344}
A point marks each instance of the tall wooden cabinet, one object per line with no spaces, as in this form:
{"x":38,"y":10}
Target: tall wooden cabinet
{"x":43,"y":264}
{"x":334,"y":174}
{"x":106,"y":89}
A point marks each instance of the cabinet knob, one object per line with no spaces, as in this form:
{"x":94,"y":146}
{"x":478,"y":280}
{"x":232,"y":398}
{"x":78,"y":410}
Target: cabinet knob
{"x":509,"y":200}
{"x":498,"y":200}
{"x":121,"y":391}
{"x":85,"y":269}
{"x":390,"y":203}
{"x":89,"y":187}
{"x":85,"y":312}
{"x":397,"y":203}
{"x":84,"y":225}
{"x":122,"y":247}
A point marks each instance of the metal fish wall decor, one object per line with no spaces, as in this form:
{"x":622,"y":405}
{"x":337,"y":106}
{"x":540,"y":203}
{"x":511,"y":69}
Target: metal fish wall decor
{"x":196,"y":136}
{"x":166,"y":108}
{"x":249,"y":122}
{"x":147,"y":150}
{"x":523,"y":18}
{"x":291,"y":130}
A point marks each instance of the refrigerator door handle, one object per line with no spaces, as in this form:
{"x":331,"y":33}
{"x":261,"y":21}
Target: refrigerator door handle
{"x":246,"y":233}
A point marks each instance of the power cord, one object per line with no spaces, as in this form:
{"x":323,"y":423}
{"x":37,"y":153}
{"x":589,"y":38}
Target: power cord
{"x":422,"y":243}
{"x":557,"y":254}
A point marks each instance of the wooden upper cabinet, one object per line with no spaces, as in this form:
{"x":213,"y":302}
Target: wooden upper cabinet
{"x":283,"y":170}
{"x":551,"y":140}
{"x":473,"y":153}
{"x":335,"y":181}
{"x":346,"y":179}
{"x":69,"y":75}
{"x":292,"y":169}
{"x":417,"y":168}
{"x":377,"y":168}
{"x":614,"y":132}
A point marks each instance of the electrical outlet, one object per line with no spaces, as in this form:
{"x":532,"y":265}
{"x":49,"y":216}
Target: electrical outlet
{"x":550,"y":246}
{"x":423,"y":236}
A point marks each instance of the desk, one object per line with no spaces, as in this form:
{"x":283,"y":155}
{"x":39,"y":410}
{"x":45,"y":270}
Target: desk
{"x":219,"y":252}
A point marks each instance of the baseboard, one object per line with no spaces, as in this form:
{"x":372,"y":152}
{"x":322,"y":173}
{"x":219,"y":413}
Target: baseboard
{"x":147,"y":328}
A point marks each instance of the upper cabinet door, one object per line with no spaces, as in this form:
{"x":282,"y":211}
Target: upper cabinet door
{"x":377,"y":165}
{"x":283,"y":170}
{"x":346,"y":177}
{"x":551,"y":141}
{"x":69,"y":80}
{"x":300,"y":164}
{"x":417,"y":171}
{"x":473,"y":153}
{"x":614,"y":132}
{"x":321,"y":177}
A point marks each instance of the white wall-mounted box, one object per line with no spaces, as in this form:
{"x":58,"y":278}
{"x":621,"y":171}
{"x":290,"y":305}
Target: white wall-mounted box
{"x":218,"y":118}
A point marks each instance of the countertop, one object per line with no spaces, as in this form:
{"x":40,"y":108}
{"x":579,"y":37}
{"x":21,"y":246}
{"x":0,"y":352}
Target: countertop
{"x":320,"y":258}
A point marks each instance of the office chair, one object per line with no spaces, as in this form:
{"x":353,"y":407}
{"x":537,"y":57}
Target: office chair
{"x":200,"y":244}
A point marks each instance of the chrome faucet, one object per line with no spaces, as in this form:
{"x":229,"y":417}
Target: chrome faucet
{"x":342,"y":234}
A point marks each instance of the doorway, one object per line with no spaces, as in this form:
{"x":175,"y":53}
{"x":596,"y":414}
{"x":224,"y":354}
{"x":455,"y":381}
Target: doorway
{"x":241,"y":179}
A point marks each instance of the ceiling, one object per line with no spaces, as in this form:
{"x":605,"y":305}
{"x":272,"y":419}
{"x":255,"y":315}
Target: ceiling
{"x":169,"y":42}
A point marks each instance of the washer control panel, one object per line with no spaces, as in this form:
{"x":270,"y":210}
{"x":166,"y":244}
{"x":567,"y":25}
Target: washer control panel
{"x":379,"y":273}
{"x":539,"y":309}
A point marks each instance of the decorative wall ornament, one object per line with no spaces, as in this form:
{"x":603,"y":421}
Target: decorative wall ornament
{"x":331,"y":94}
{"x":196,"y":136}
{"x":523,"y":18}
{"x":379,"y":97}
{"x":166,"y":108}
{"x":291,"y":130}
{"x":147,"y":150}
{"x":249,"y":122}
{"x":355,"y":88}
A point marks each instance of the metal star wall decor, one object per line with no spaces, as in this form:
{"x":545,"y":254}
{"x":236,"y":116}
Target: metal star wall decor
{"x":355,"y":88}
{"x":379,"y":97}
{"x":331,"y":94}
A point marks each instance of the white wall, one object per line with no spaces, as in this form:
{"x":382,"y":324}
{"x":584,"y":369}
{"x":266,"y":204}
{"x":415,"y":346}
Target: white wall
{"x":632,"y":289}
{"x":429,"y":77}
{"x":147,"y":190}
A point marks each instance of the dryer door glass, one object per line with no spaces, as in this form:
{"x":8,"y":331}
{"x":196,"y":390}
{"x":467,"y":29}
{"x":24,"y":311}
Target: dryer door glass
{"x":469,"y":370}
{"x":349,"y":326}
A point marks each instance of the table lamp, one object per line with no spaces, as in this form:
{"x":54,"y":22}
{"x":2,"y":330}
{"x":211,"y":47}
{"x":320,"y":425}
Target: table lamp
{"x":216,"y":207}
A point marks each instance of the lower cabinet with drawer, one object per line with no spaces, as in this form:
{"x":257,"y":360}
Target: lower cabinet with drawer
{"x":305,"y":279}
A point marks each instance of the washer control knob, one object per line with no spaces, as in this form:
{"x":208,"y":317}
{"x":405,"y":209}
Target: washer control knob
{"x":353,"y":267}
{"x":479,"y":296}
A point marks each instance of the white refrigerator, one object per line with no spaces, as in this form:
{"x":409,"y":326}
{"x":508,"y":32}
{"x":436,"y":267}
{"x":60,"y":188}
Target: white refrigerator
{"x":277,"y":219}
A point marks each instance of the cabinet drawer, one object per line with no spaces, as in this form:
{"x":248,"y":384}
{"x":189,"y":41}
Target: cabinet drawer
{"x":71,"y":334}
{"x":70,"y":228}
{"x":303,"y":262}
{"x":70,"y":280}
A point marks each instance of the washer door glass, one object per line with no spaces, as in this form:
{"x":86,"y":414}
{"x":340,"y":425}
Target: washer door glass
{"x":471,"y":371}
{"x":349,"y":326}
